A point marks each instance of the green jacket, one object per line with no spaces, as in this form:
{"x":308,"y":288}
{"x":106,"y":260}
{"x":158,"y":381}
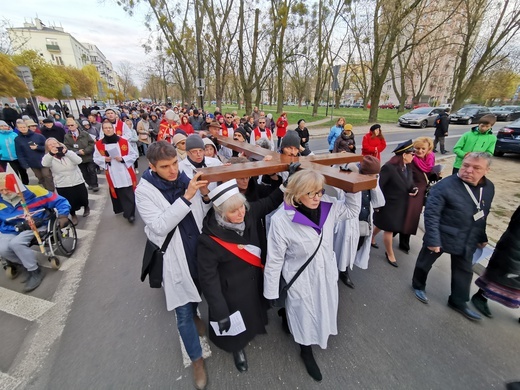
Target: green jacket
{"x":474,"y":141}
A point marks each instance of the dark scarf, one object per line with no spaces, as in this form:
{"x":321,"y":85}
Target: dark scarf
{"x":111,"y":139}
{"x":173,"y":190}
{"x":313,"y":214}
{"x":202,"y":164}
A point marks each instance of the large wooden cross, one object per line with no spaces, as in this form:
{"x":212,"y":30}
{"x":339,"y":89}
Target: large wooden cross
{"x":348,"y":181}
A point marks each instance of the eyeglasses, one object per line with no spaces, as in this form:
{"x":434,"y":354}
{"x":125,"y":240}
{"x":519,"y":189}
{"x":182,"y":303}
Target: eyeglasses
{"x":229,"y":117}
{"x":261,"y":122}
{"x":318,"y":193}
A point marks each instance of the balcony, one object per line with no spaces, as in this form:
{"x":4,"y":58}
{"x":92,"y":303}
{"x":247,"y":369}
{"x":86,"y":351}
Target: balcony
{"x":53,"y":48}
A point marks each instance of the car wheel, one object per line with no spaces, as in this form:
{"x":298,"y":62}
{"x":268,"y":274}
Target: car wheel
{"x":508,"y":118}
{"x":498,"y":154}
{"x":424,"y":124}
{"x":469,"y":121}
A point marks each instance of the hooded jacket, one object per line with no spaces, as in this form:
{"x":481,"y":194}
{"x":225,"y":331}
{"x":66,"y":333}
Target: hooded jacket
{"x":474,"y":141}
{"x":7,"y":147}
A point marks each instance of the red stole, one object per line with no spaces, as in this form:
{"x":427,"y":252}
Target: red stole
{"x":241,"y":252}
{"x":119,"y":128}
{"x":224,"y":128}
{"x":123,"y":146}
{"x":258,"y":133}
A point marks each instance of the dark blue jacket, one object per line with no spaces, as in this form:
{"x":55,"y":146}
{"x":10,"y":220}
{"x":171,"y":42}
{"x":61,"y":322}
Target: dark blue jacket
{"x":448,"y":216}
{"x":27,"y":157}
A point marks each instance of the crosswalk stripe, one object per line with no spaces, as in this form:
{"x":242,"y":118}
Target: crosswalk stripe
{"x":21,"y":305}
{"x":8,"y":382}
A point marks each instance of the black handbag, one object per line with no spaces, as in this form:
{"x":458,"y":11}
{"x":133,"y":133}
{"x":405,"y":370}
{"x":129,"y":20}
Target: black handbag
{"x":284,"y":286}
{"x":153,"y":261}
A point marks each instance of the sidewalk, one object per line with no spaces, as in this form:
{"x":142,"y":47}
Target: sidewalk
{"x":318,"y":131}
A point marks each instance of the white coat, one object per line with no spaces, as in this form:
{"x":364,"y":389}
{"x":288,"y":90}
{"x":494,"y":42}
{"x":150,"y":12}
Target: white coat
{"x":312,"y":301}
{"x":160,"y":218}
{"x":346,"y":233}
{"x":377,"y":199}
{"x":190,"y":170}
{"x":65,"y":171}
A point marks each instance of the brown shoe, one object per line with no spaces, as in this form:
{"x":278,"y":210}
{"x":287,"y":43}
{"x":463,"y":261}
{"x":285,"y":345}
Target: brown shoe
{"x":199,"y":374}
{"x":86,"y":211}
{"x":201,"y":328}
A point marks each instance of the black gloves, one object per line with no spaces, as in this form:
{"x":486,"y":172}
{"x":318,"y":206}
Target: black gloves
{"x":224,"y":325}
{"x":293,"y":167}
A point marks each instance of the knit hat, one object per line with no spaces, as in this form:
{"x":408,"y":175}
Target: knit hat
{"x":3,"y":123}
{"x":220,"y":116}
{"x":178,"y":138}
{"x":169,"y":114}
{"x":404,"y":147}
{"x":210,"y":116}
{"x":194,"y":142}
{"x":488,"y":119}
{"x":369,"y":166}
{"x":375,"y":127}
{"x":85,"y":123}
{"x":223,"y":192}
{"x":291,"y":138}
{"x":348,"y":126}
{"x":241,"y":131}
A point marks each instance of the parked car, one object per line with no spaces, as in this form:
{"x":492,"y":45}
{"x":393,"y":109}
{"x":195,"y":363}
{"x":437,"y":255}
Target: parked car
{"x":469,"y":115}
{"x":445,"y":105}
{"x":419,"y":105}
{"x":508,"y":139}
{"x":506,"y":113}
{"x":420,"y":117}
{"x":387,"y":106}
{"x":357,"y":105}
{"x":343,"y":105}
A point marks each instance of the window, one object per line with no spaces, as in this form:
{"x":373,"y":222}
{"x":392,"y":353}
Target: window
{"x":59,"y":61}
{"x":51,"y":41}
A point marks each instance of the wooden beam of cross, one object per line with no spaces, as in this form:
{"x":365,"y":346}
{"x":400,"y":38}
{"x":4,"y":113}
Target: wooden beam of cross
{"x":348,"y":181}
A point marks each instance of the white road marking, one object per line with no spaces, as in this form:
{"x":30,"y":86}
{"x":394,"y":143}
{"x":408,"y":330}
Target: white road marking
{"x":22,"y":305}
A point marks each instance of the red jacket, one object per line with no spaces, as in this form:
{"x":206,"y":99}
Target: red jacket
{"x":372,"y":146}
{"x":281,"y":127}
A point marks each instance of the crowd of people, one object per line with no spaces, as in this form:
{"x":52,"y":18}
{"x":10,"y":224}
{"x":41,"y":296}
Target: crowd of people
{"x":235,"y":243}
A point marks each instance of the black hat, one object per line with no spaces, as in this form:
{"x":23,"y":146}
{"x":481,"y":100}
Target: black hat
{"x":291,"y":138}
{"x":47,"y":120}
{"x":375,"y":127}
{"x":404,"y":147}
{"x":242,"y":131}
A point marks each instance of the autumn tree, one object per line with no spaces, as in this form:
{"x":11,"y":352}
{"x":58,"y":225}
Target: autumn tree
{"x":11,"y":84}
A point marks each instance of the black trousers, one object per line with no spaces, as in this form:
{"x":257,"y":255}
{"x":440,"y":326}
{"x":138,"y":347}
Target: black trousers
{"x":125,"y":202}
{"x":88,"y":170}
{"x":21,"y":172}
{"x":461,"y":274}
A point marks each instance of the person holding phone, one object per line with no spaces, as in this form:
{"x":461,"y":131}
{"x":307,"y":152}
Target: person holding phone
{"x":396,"y":182}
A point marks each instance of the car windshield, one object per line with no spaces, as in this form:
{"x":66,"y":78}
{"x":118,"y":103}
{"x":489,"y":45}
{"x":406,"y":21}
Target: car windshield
{"x":422,"y":110}
{"x":467,"y":111}
{"x":497,"y":109}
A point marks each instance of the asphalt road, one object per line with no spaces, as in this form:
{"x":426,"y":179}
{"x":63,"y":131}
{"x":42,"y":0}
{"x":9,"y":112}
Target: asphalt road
{"x":104,"y":329}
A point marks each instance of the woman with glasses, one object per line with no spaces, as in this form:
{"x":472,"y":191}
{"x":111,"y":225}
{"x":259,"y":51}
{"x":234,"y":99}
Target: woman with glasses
{"x":396,"y":182}
{"x":304,"y":226}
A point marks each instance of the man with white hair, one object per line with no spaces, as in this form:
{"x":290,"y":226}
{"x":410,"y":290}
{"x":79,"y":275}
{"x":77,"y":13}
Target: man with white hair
{"x":167,"y":127}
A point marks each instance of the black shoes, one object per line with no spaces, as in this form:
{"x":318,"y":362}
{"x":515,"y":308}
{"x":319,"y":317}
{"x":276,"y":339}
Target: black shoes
{"x":34,"y":280}
{"x":345,"y":278}
{"x":240,"y":360}
{"x":310,"y":364}
{"x":481,"y":305}
{"x":392,"y":263}
{"x":465,"y":311}
{"x":95,"y":189}
{"x":403,"y":249}
{"x":283,"y":315}
{"x":131,"y":219}
{"x":374,"y":245}
{"x":435,"y":151}
{"x":86,"y":211}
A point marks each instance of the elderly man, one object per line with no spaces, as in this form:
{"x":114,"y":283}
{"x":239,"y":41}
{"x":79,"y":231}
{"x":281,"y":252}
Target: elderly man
{"x":455,"y":221}
{"x":15,"y":233}
{"x":50,"y":130}
{"x":195,"y":158}
{"x":30,"y":148}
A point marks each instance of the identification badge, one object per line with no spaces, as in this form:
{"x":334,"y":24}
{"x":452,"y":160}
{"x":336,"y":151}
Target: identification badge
{"x":478,"y":215}
{"x":75,"y":146}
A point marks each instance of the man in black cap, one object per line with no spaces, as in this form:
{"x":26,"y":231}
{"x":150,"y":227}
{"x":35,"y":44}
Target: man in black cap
{"x":195,"y":158}
{"x":455,"y":222}
{"x":50,"y":130}
{"x":291,"y":145}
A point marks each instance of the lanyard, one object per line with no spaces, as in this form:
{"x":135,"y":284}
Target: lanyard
{"x":473,"y":196}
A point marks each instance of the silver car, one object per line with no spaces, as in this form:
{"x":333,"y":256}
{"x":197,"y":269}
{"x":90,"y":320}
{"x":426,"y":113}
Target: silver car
{"x":420,"y":117}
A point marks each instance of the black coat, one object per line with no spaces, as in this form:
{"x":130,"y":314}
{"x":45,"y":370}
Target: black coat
{"x":303,"y":133}
{"x":229,"y":283}
{"x":448,"y":216}
{"x":505,"y":261}
{"x":396,"y":184}
{"x":54,"y":132}
{"x":441,"y":125}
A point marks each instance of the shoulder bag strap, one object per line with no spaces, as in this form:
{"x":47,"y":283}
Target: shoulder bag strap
{"x":302,"y":268}
{"x":167,"y":240}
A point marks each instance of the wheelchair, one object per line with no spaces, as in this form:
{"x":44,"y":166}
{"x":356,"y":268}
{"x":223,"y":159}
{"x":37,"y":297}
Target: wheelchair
{"x":57,"y":240}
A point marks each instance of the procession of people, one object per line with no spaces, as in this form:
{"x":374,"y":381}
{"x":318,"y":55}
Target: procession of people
{"x":234,"y":243}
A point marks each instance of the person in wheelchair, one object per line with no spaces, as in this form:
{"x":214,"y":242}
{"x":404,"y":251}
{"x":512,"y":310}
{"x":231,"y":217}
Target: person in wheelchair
{"x":16,"y":234}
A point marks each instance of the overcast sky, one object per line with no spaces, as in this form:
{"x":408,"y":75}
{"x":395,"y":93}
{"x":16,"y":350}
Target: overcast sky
{"x":102,"y":23}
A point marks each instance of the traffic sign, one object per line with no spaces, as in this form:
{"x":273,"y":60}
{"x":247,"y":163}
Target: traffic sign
{"x":200,"y":92}
{"x":201,"y":84}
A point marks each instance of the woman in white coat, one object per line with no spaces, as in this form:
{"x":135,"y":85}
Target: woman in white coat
{"x":69,"y":182}
{"x":296,"y":229}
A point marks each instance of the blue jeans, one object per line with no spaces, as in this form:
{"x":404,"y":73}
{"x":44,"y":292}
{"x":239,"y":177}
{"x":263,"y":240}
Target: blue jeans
{"x":188,"y":330}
